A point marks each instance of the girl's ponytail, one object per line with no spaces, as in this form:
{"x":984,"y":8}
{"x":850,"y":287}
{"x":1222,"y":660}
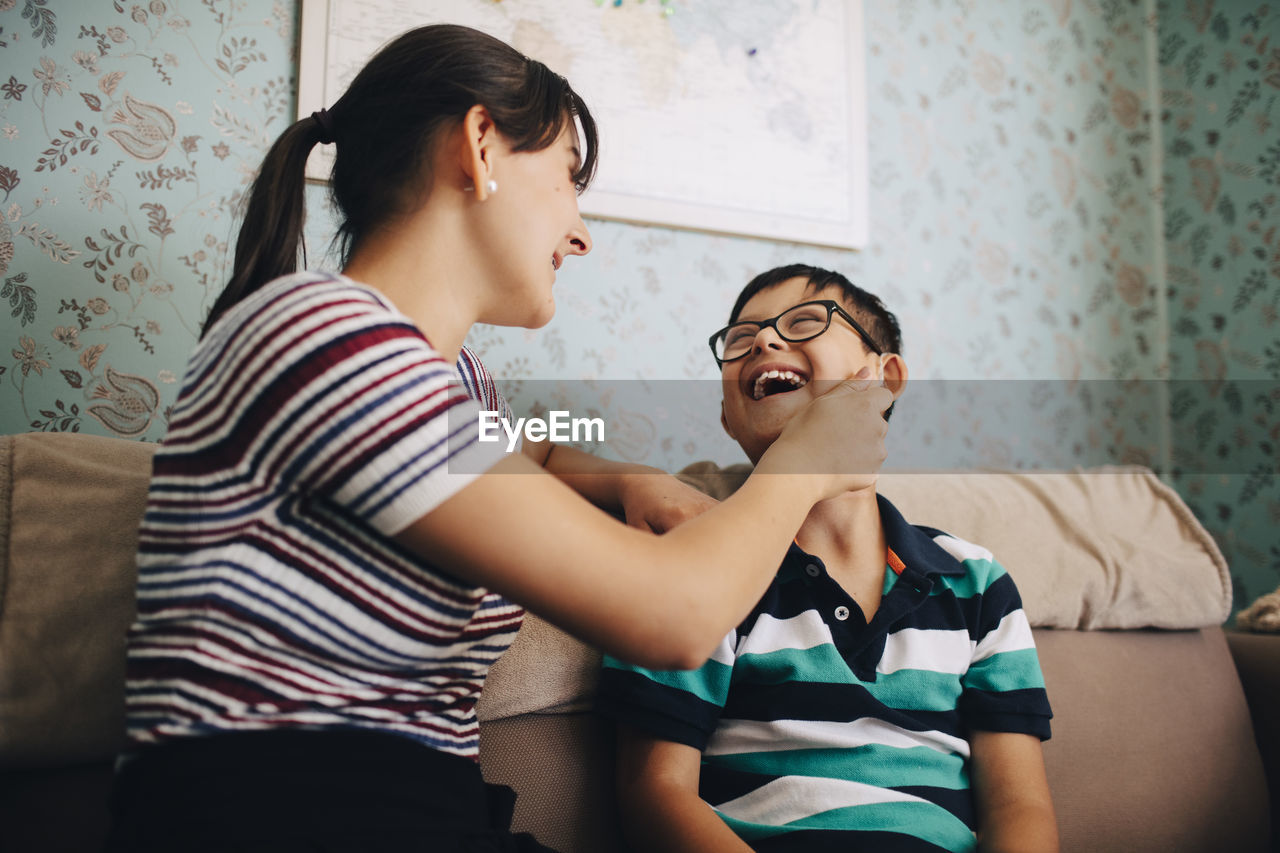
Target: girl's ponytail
{"x":272,"y":230}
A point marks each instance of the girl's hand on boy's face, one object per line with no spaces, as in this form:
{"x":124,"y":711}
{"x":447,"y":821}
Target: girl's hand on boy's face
{"x":655,"y":501}
{"x":839,"y":434}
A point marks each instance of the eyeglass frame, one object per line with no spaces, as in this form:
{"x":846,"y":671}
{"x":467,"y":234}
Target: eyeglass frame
{"x":832,"y":306}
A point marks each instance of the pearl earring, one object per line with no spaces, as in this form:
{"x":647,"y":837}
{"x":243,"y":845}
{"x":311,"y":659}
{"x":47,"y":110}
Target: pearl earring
{"x":491,"y":186}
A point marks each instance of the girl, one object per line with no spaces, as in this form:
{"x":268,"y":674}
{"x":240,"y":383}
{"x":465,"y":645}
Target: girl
{"x":329,"y":559}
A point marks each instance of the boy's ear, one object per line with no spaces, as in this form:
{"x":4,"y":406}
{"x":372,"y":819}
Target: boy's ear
{"x":477,"y":148}
{"x":724,"y":422}
{"x":895,"y":374}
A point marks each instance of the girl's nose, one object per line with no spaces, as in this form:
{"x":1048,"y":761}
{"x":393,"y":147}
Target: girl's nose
{"x":579,"y":239}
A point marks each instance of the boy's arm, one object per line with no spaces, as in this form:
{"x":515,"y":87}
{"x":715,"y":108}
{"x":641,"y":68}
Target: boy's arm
{"x":1011,"y":793}
{"x":658,"y":798}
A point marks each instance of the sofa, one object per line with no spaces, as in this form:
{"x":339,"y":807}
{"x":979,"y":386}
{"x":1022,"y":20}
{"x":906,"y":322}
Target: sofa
{"x":1166,"y":735}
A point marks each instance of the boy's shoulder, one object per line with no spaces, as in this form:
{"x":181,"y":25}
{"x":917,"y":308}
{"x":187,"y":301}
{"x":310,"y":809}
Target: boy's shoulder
{"x":928,"y":550}
{"x":972,"y":557}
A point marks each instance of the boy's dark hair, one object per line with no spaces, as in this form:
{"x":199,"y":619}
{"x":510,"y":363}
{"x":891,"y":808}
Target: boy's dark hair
{"x":866,"y":307}
{"x":384,"y":128}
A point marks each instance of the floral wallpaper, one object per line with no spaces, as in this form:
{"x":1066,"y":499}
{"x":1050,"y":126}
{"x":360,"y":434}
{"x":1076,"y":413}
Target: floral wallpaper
{"x":127,"y":134}
{"x":1073,"y":214}
{"x":1219,"y":67}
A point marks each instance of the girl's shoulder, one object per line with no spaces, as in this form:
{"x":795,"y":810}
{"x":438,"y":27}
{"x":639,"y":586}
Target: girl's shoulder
{"x":307,"y":321}
{"x":292,"y":304}
{"x":309,"y":290}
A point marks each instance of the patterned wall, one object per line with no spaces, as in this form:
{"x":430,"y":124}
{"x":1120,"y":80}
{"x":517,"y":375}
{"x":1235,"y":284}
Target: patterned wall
{"x":128,"y":132}
{"x":1020,"y":152}
{"x":1220,"y":117}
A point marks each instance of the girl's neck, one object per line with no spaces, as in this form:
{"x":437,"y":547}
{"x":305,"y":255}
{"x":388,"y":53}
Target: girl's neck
{"x":421,"y":271}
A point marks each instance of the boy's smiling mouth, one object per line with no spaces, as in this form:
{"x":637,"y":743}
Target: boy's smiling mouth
{"x":775,"y":379}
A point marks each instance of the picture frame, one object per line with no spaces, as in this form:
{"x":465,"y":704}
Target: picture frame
{"x":710,"y":119}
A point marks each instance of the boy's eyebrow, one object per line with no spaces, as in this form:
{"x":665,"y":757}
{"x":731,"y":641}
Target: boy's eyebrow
{"x":743,"y":318}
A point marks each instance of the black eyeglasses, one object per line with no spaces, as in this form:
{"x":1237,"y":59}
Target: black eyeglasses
{"x":802,"y":322}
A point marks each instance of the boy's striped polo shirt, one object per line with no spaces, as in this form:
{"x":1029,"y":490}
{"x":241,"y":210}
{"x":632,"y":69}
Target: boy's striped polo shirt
{"x":819,"y":731}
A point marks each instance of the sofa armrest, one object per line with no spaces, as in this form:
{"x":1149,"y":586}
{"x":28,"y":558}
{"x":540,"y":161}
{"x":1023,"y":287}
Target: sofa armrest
{"x":1257,"y":659}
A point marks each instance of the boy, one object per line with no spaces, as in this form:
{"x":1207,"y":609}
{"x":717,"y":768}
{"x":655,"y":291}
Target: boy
{"x":885,"y":693}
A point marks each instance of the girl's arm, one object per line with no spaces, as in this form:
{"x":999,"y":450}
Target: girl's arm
{"x":658,"y":601}
{"x":646,"y":497}
{"x":661,"y":811}
{"x":1011,"y":793}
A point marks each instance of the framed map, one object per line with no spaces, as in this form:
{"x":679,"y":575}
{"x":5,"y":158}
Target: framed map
{"x":714,"y":115}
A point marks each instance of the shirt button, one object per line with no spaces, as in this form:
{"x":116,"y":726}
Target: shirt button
{"x":842,"y":613}
{"x":812,"y":571}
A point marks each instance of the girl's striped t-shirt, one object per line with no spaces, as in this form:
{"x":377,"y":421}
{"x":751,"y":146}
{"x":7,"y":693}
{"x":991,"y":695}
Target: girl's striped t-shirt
{"x":314,"y":423}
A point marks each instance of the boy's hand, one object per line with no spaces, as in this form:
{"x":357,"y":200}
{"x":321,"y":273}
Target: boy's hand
{"x":654,"y":500}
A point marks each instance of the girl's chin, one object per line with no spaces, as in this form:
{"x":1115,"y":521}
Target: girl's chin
{"x":533,"y":318}
{"x":542,"y":317}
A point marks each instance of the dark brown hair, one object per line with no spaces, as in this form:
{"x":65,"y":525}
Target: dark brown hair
{"x":384,"y":127}
{"x":866,"y":307}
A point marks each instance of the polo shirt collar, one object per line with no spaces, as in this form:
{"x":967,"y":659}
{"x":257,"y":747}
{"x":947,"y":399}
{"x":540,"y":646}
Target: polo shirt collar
{"x":914,"y":545}
{"x":861,"y":645}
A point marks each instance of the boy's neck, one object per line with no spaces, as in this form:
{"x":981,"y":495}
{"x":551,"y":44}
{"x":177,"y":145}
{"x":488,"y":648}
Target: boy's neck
{"x":847,"y":535}
{"x":845,"y":528}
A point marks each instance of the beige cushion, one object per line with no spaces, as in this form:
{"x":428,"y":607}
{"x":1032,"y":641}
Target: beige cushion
{"x":545,"y":671}
{"x":1109,"y":547}
{"x":561,"y":766}
{"x":69,"y":512}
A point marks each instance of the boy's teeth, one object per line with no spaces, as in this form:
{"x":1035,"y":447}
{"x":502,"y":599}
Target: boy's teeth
{"x":757,"y":391}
